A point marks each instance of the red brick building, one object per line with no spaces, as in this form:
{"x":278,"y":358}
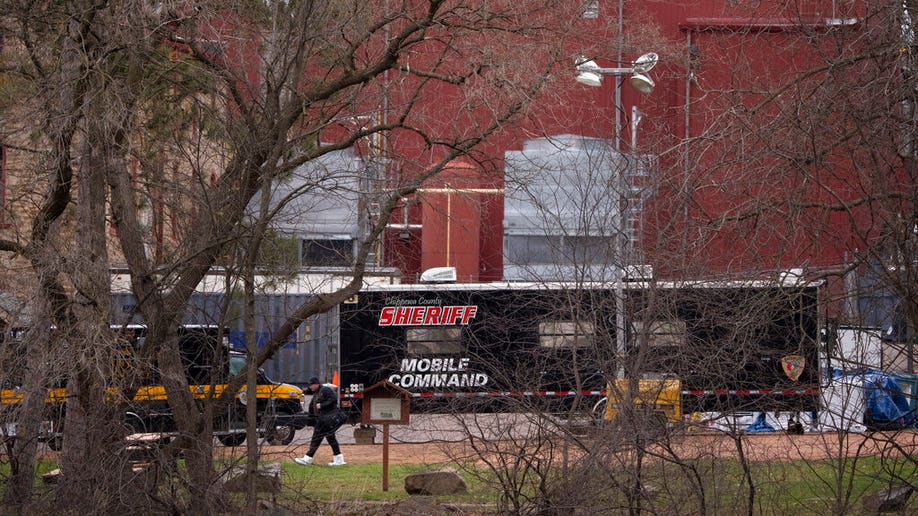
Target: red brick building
{"x":711,"y":189}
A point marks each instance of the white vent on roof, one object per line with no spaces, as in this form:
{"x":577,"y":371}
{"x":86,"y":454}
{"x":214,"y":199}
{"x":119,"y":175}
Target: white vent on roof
{"x":643,"y":272}
{"x":791,"y":277}
{"x":439,"y":275}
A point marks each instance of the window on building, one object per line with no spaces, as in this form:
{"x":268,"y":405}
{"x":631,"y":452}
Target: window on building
{"x":435,"y":340}
{"x":328,"y":252}
{"x":532,"y":249}
{"x":588,"y":249}
{"x":591,"y":9}
{"x":661,"y":333}
{"x":553,"y":249}
{"x":566,"y":334}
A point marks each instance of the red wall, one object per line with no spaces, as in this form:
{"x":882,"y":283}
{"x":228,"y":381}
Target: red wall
{"x":728,"y":47}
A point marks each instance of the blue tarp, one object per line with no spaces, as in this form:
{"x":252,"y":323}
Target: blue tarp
{"x":887,"y":406}
{"x":760,"y":424}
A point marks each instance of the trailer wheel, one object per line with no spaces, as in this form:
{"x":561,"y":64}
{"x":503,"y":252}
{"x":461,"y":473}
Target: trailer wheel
{"x":281,"y":435}
{"x":598,"y":412}
{"x":134,"y":424}
{"x":232,"y":440}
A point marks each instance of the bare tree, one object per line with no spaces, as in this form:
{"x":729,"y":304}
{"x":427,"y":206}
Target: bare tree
{"x":801,"y":161}
{"x":176,"y":116}
{"x":785,"y":166}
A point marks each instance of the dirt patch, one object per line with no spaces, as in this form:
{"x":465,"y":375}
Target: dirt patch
{"x":408,"y":507}
{"x":426,"y":453}
{"x":757,"y":447}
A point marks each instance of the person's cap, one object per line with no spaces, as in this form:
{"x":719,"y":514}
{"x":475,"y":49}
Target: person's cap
{"x":314,"y":380}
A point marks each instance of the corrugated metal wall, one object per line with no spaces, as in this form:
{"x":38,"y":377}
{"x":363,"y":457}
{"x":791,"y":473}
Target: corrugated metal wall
{"x":562,"y":216}
{"x":321,"y":197}
{"x":311,"y":351}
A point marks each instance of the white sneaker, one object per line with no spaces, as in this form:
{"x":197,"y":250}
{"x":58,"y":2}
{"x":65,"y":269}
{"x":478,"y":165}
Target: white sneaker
{"x":305,"y":460}
{"x":337,"y":460}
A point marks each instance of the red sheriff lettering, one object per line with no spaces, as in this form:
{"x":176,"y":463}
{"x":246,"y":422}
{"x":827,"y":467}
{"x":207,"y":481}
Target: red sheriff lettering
{"x":427,"y":315}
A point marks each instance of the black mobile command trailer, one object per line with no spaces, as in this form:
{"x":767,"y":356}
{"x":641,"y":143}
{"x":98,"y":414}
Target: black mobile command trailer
{"x":518,"y":346}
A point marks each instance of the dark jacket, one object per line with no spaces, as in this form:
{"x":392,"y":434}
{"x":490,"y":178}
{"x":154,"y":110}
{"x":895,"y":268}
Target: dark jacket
{"x":328,"y":418}
{"x":326,"y":398}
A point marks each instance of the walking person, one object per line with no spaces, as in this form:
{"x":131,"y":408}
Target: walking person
{"x":324,"y":406}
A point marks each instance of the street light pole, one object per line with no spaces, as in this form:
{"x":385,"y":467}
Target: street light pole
{"x":635,"y":204}
{"x":590,"y":74}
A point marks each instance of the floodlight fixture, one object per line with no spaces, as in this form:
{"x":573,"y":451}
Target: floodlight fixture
{"x":646,"y":62}
{"x":641,"y":82}
{"x":590,"y":73}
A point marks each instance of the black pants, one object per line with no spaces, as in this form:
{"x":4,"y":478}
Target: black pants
{"x":323,"y":432}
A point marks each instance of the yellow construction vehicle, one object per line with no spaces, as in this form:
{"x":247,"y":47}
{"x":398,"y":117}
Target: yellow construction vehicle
{"x":655,"y":403}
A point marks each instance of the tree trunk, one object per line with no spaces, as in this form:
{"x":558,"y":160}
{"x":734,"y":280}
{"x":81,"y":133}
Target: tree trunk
{"x":93,"y":459}
{"x":18,"y":492}
{"x":93,"y":431}
{"x":251,"y":409}
{"x":206,"y":496}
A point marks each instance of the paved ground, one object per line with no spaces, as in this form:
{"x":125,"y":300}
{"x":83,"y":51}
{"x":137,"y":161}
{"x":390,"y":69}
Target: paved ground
{"x":431,"y":439}
{"x":432,"y":453}
{"x":428,"y":439}
{"x":438,"y":439}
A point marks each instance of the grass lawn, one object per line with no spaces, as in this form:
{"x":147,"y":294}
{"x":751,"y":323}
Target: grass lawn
{"x":41,"y":467}
{"x":364,"y":482}
{"x":793,"y":487}
{"x":808,"y":485}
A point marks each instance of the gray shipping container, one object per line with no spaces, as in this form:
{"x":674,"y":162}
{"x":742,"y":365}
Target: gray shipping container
{"x":311,"y":351}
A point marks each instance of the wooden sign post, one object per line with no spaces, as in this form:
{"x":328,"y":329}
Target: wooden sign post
{"x":385,"y":403}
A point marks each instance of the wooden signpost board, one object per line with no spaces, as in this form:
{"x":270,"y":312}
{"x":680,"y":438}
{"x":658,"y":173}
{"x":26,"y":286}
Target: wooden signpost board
{"x":385,"y":403}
